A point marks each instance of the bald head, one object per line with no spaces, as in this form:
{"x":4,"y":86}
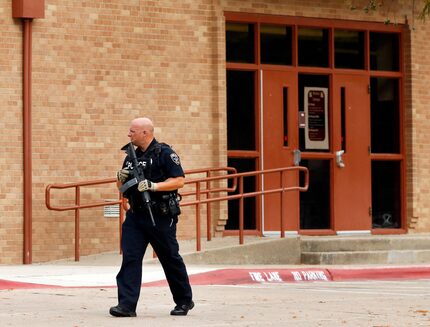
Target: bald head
{"x":143,"y":123}
{"x":141,"y":132}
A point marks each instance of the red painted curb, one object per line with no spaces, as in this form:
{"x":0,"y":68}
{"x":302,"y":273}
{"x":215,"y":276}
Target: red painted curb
{"x":253,"y":276}
{"x":380,"y":273}
{"x":268,"y":276}
{"x":7,"y":284}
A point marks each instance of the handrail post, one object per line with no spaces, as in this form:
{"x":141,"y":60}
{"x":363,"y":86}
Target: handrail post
{"x":198,"y":233}
{"x":241,"y":200}
{"x":282,"y":205}
{"x":208,"y":210}
{"x":77,"y":218}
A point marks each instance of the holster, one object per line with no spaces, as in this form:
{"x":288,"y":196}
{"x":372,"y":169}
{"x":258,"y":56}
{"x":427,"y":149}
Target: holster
{"x":168,"y":205}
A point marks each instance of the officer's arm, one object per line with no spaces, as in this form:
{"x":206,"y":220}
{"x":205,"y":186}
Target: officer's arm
{"x":171,"y":184}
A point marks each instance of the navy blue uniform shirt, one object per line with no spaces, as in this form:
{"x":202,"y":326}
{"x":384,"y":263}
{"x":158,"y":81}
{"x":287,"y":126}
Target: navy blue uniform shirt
{"x":160,"y":162}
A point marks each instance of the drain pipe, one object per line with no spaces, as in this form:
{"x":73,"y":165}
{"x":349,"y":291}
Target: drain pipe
{"x":27,"y":10}
{"x":27,"y":141}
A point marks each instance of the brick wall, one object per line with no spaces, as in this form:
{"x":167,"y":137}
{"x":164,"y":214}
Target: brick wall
{"x":11,"y":213}
{"x":98,"y":64}
{"x":418,"y":116}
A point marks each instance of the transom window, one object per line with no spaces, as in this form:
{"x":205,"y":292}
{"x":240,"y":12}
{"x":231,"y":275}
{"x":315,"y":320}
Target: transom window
{"x":277,"y":44}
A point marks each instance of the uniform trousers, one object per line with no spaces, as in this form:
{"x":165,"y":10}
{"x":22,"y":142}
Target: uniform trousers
{"x":137,"y":232}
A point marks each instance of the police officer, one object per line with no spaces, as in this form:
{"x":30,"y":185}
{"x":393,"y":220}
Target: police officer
{"x":164,"y":176}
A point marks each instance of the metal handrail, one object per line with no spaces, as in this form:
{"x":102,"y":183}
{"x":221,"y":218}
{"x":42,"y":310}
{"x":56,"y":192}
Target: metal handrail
{"x":208,"y":191}
{"x":241,"y":196}
{"x":121,"y":201}
{"x":79,"y":206}
{"x":198,"y":192}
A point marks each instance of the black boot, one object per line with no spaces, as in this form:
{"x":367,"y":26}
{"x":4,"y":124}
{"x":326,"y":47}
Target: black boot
{"x":182,"y":310}
{"x":120,"y":311}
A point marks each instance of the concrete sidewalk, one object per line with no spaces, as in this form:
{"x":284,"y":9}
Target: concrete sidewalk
{"x":79,"y":294}
{"x":101,"y":270}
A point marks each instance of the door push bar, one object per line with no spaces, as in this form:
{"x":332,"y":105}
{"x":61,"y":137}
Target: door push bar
{"x":339,"y":159}
{"x":297,"y":157}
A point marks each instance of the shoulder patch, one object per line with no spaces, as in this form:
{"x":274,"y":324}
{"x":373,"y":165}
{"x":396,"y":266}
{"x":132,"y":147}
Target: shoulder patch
{"x":175,"y":158}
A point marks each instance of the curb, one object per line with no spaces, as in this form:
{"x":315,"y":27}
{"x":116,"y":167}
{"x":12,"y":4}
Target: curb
{"x":11,"y":285}
{"x":266,"y":276}
{"x":261,"y":276}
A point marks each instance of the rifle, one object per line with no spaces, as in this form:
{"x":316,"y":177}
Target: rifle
{"x":138,"y":176}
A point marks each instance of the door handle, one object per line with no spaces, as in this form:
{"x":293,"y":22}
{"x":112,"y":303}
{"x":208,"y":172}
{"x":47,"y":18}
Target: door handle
{"x":339,"y":159}
{"x":297,"y":157}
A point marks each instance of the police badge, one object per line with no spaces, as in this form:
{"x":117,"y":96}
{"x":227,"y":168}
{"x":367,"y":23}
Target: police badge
{"x":175,"y":158}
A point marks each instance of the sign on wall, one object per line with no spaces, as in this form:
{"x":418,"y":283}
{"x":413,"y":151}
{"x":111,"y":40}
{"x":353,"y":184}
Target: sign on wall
{"x":316,"y":112}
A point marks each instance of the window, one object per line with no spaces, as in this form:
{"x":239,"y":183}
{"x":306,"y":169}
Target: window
{"x":249,"y":204}
{"x":385,"y":124}
{"x":240,"y":110}
{"x":240,"y":42}
{"x":285,"y":114}
{"x":386,"y":194}
{"x":317,"y":81}
{"x":348,"y":49}
{"x":315,"y":202}
{"x":384,"y":51}
{"x":313,"y":47}
{"x":275,"y":47}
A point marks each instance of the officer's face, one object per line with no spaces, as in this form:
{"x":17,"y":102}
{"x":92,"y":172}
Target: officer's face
{"x":137,"y":135}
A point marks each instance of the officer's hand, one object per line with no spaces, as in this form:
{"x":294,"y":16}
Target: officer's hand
{"x":122,"y":175}
{"x":146,"y":185}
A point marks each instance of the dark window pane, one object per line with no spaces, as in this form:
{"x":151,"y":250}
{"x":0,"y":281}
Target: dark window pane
{"x":310,"y":81}
{"x":249,"y":185}
{"x":315,"y":202}
{"x":313,"y":47}
{"x":240,"y":110}
{"x":385,"y":120}
{"x":342,"y":119}
{"x":384,"y":51}
{"x":349,"y":49}
{"x":386,"y":206}
{"x":285,"y":115}
{"x":240,"y":42}
{"x":275,"y":44}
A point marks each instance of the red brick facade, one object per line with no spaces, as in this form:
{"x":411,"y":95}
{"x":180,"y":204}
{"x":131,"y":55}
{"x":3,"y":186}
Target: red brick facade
{"x":98,"y":64}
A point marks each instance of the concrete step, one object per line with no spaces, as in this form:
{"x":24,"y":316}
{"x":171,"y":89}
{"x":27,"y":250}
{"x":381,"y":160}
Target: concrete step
{"x":265,"y":251}
{"x":365,"y":243}
{"x":366,"y":249}
{"x":366,"y":257}
{"x":295,"y":249}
